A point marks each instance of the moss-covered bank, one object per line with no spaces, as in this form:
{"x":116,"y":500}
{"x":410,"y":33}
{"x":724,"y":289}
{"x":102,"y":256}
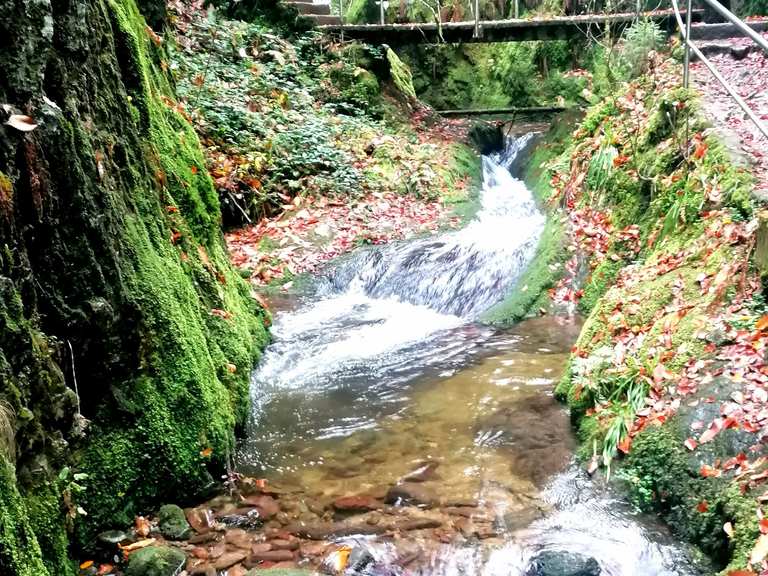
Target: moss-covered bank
{"x":126,"y":338}
{"x":660,"y":241}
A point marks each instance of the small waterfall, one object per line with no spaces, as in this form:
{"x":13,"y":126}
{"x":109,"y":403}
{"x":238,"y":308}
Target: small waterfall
{"x":465,"y":272}
{"x":404,"y":296}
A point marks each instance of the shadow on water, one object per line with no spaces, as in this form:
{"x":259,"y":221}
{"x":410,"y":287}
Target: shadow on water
{"x":383,"y":378}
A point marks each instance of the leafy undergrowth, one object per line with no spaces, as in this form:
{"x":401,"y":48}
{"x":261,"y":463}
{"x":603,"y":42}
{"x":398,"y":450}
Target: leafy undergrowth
{"x":670,"y":368}
{"x":309,"y":147}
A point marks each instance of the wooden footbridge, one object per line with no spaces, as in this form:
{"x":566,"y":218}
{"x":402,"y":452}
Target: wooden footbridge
{"x":511,"y":30}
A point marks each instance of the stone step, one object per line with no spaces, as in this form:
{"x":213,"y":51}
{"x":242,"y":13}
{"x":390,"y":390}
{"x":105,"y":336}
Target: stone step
{"x":308,"y":8}
{"x":324,"y":20}
{"x":723,"y":31}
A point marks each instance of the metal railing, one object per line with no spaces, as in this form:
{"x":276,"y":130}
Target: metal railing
{"x":685,"y":31}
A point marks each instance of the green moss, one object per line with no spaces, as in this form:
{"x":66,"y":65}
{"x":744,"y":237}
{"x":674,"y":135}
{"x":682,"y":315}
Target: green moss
{"x":156,"y":561}
{"x":47,"y":519}
{"x":20,"y":553}
{"x":662,"y":476}
{"x":401,"y":74}
{"x":600,"y":280}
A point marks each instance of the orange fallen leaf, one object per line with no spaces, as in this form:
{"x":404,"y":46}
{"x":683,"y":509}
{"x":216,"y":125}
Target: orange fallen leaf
{"x":138,"y":545}
{"x":625,"y":444}
{"x":206,"y":452}
{"x":85,"y":565}
{"x":762,"y":323}
{"x":709,"y":472}
{"x":105,"y":569}
{"x":142,"y":526}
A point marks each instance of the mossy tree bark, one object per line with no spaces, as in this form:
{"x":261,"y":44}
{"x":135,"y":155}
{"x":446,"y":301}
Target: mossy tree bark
{"x":114,"y":280}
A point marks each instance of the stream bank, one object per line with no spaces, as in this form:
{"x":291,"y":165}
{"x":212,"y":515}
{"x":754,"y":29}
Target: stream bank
{"x":666,"y":381}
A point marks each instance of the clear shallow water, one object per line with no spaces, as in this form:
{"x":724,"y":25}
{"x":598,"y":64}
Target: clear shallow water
{"x":384,"y":371}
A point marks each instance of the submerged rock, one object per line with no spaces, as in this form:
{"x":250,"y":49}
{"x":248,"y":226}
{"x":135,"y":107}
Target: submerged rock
{"x":173,"y":522}
{"x":360,"y":503}
{"x":562,"y":563}
{"x":155,"y":561}
{"x":410,"y":493}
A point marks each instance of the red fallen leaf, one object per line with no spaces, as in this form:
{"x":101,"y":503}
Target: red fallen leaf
{"x":700,"y":150}
{"x":171,"y":209}
{"x":175,"y":236}
{"x":709,"y":472}
{"x":741,"y":573}
{"x":691,"y":444}
{"x":702,"y":506}
{"x":763,"y":525}
{"x":105,"y":569}
{"x":193,"y":169}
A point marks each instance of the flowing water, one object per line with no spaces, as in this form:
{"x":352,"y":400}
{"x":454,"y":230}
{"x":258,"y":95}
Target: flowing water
{"x":383,"y":375}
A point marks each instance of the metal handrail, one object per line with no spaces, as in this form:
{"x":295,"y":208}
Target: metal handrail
{"x":685,"y":30}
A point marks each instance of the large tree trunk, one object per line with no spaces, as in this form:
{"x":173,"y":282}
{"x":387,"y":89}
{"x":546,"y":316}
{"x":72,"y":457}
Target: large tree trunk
{"x":111,"y":261}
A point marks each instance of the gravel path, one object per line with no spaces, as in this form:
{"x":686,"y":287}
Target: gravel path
{"x":749,"y":76}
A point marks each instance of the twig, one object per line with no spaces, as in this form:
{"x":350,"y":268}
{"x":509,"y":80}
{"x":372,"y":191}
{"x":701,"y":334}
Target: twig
{"x":74,"y":376}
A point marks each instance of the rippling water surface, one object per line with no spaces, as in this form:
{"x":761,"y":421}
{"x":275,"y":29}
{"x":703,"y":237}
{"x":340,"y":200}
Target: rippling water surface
{"x":383,"y":374}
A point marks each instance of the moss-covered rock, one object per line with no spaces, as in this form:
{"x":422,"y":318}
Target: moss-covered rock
{"x":156,"y":561}
{"x":172,"y":522}
{"x":118,"y":304}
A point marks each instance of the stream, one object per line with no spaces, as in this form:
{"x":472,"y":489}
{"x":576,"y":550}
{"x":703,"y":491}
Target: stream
{"x":381,"y":385}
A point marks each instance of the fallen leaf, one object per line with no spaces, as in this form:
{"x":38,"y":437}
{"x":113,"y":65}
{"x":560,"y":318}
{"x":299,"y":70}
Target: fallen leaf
{"x":142,"y":526}
{"x":691,"y":444}
{"x":702,"y":506}
{"x":760,"y":550}
{"x":206,"y":452}
{"x":728,"y":529}
{"x":85,"y":565}
{"x":137,"y":545}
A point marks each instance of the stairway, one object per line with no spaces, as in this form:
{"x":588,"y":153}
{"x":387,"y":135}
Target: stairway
{"x":320,"y":14}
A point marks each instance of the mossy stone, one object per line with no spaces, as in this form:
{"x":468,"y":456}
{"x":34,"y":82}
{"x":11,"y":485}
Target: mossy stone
{"x":155,"y":561}
{"x":173,"y":524}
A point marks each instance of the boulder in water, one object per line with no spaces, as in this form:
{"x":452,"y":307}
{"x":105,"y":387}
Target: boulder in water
{"x":487,"y":137}
{"x":155,"y":561}
{"x":563,"y":563}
